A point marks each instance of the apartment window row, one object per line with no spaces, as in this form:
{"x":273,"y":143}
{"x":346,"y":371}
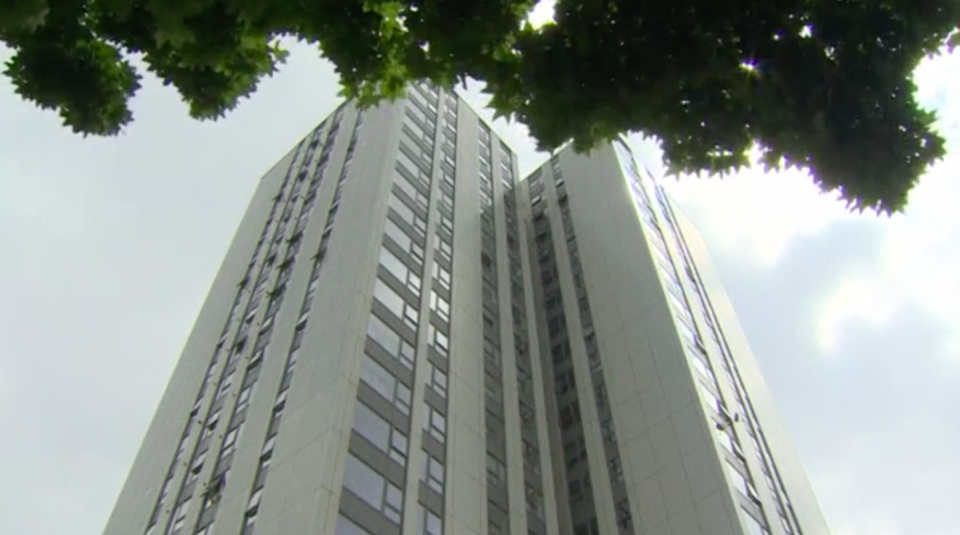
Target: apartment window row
{"x":212,"y":490}
{"x":294,"y":244}
{"x":408,"y":214}
{"x":581,"y":505}
{"x":415,"y":134}
{"x":404,"y":308}
{"x":273,"y":429}
{"x":497,"y":491}
{"x":415,"y":189}
{"x":755,"y":520}
{"x":428,"y":522}
{"x":527,"y":403}
{"x":693,"y":343}
{"x":388,"y":364}
{"x":405,"y":274}
{"x":378,"y":431}
{"x":224,"y":460}
{"x":338,"y":191}
{"x":387,"y":338}
{"x":373,"y":488}
{"x":429,"y":519}
{"x":415,"y":160}
{"x":424,"y":100}
{"x":386,"y":383}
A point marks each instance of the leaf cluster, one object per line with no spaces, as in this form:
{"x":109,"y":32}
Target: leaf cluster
{"x":823,"y":84}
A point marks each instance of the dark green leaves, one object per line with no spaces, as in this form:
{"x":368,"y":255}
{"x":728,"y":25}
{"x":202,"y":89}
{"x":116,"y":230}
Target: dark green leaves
{"x":823,"y":84}
{"x":66,"y":68}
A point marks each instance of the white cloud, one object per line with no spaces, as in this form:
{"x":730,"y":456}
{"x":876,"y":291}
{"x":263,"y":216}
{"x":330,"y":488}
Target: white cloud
{"x":918,"y":263}
{"x":859,"y":298}
{"x":757,"y":214}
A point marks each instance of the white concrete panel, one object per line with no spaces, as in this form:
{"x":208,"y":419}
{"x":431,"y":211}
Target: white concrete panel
{"x":652,"y":507}
{"x":703,"y":472}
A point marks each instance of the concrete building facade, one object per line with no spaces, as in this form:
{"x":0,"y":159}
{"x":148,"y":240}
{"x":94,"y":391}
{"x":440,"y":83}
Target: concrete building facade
{"x":406,"y":338}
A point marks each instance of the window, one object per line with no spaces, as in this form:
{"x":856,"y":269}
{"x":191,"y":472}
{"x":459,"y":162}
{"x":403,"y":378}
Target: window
{"x":439,"y":305}
{"x":616,"y":470}
{"x":243,"y":399}
{"x":196,"y":467}
{"x":417,"y":96}
{"x":564,"y":382}
{"x":281,"y":400}
{"x":434,"y":423}
{"x":265,"y":460}
{"x":754,"y":526}
{"x":371,"y":487}
{"x":569,"y":415}
{"x":493,"y":389}
{"x":346,"y":527}
{"x":438,"y":340}
{"x":446,"y":222}
{"x":446,"y":199}
{"x":179,"y":515}
{"x":268,"y":445}
{"x":253,"y":506}
{"x":444,"y":249}
{"x":213,"y":419}
{"x":624,"y":518}
{"x":437,"y":380}
{"x":738,"y":480}
{"x":398,"y":269}
{"x":528,"y":416}
{"x":576,"y":491}
{"x":389,"y":298}
{"x":407,"y":214}
{"x":381,"y":434}
{"x":406,"y":243}
{"x":431,"y":472}
{"x":427,"y":522}
{"x":384,"y":383}
{"x":683,"y":312}
{"x":575,"y":452}
{"x":531,"y":457}
{"x":390,"y":341}
{"x":699,"y":362}
{"x":416,"y":136}
{"x":711,"y":399}
{"x":689,"y":334}
{"x":534,"y":501}
{"x":725,"y":436}
{"x":256,"y":357}
{"x":225,"y":384}
{"x":442,"y":276}
{"x":496,"y":471}
{"x":412,"y":167}
{"x":403,"y":184}
{"x":230,"y":441}
{"x":608,"y":431}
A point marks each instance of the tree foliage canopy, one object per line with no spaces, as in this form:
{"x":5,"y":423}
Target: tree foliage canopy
{"x":823,"y":84}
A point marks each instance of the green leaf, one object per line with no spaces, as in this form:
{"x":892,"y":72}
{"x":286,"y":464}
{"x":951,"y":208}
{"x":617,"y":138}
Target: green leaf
{"x":822,"y":85}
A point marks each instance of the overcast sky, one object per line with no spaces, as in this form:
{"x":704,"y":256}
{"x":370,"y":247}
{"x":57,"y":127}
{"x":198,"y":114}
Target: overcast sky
{"x":110,"y":245}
